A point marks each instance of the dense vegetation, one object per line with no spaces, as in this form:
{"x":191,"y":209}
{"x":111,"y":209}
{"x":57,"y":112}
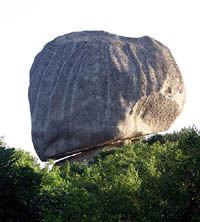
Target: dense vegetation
{"x":154,"y":180}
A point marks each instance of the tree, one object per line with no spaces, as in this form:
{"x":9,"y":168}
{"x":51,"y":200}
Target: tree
{"x":20,"y":182}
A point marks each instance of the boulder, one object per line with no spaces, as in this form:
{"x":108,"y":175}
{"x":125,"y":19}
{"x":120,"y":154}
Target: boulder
{"x":92,"y":88}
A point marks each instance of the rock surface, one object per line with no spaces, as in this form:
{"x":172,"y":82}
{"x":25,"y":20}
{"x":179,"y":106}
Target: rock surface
{"x":92,"y":88}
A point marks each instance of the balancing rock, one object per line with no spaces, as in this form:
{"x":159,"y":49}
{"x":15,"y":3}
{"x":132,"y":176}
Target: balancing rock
{"x":92,"y":88}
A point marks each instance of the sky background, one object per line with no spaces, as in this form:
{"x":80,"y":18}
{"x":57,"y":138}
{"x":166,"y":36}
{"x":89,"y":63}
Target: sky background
{"x":27,"y":25}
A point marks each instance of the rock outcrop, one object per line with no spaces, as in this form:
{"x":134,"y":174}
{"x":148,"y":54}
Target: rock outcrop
{"x":92,"y":88}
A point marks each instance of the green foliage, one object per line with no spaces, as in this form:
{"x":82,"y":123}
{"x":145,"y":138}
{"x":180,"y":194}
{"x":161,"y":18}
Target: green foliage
{"x":171,"y":137}
{"x":20,"y":181}
{"x":154,"y":180}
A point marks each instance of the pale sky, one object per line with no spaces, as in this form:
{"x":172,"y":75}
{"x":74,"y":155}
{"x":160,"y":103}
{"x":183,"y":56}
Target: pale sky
{"x":27,"y":25}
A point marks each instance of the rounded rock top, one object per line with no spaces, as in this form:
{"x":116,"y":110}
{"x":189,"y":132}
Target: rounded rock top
{"x":90,"y":36}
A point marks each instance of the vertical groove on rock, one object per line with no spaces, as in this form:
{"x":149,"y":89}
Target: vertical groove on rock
{"x":108,"y":104}
{"x":56,"y":95}
{"x":143,"y":78}
{"x":153,"y":79}
{"x":131,"y":70}
{"x":148,"y":79}
{"x":75,"y":81}
{"x":37,"y":106}
{"x":63,"y":78}
{"x":70,"y":84}
{"x":137,"y":74}
{"x":58,"y":75}
{"x":35,"y":77}
{"x":37,"y":60}
{"x":68,"y":81}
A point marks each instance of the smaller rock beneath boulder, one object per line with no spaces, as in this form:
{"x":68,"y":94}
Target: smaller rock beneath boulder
{"x":88,"y":155}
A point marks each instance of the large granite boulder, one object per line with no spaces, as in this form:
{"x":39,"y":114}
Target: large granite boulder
{"x":92,"y":88}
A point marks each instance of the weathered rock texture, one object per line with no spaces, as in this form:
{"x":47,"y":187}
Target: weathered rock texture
{"x":90,"y":88}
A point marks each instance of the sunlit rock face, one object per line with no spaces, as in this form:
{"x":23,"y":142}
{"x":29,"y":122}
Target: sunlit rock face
{"x":90,"y":88}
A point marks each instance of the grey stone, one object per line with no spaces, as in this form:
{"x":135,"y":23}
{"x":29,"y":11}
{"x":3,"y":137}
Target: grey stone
{"x":92,"y":88}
